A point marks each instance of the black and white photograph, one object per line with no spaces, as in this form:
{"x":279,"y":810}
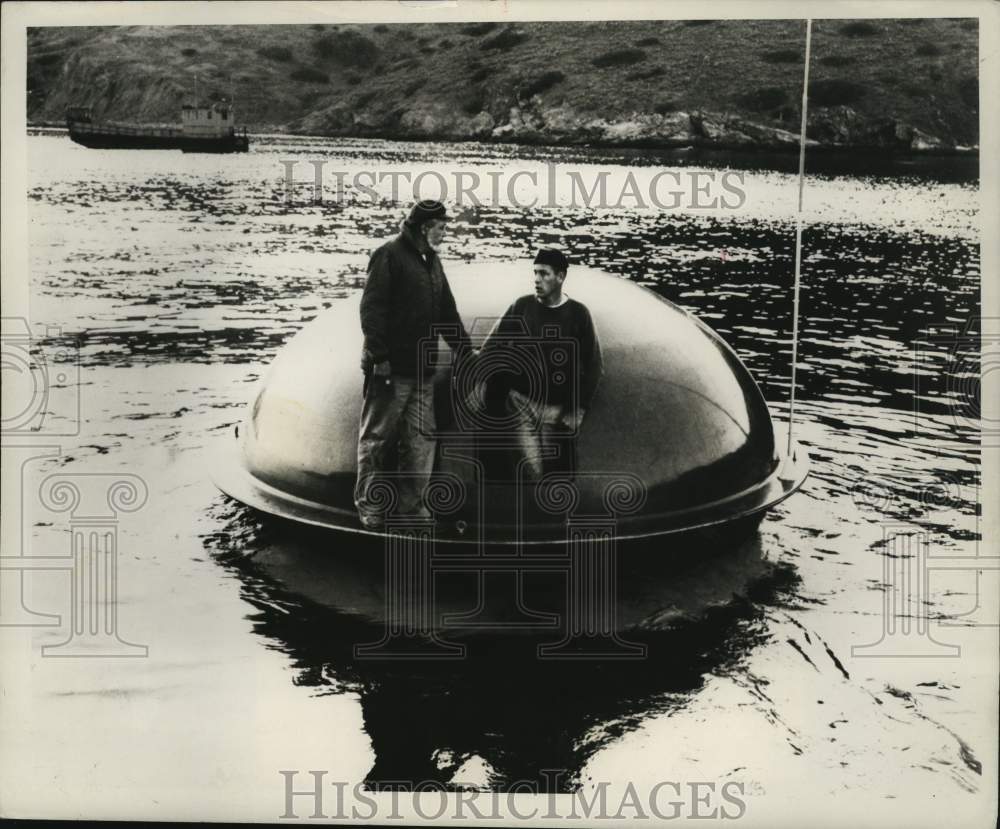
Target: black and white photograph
{"x":500,"y":413}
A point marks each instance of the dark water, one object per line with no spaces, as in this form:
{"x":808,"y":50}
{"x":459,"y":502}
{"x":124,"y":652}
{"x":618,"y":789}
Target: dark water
{"x":180,"y":277}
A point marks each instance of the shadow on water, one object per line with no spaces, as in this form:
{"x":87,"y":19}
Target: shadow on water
{"x":500,"y":707}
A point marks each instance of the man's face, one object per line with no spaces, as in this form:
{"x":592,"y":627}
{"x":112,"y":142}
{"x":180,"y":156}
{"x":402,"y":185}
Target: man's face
{"x":433,"y":231}
{"x":548,"y":283}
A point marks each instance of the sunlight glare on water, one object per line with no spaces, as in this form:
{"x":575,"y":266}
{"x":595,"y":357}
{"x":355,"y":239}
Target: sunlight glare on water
{"x":181,"y":275}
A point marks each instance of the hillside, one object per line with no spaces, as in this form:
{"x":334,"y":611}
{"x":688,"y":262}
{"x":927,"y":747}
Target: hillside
{"x":890,"y":84}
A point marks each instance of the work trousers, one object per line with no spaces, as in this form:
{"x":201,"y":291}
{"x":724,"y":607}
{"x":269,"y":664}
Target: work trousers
{"x":544,"y":443}
{"x":397,"y":418}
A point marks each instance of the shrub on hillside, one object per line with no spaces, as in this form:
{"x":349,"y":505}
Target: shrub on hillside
{"x":859,"y":28}
{"x":543,"y":82}
{"x":364,"y":99}
{"x":648,"y":41}
{"x":929,"y":50}
{"x":281,"y":54}
{"x":646,"y":74}
{"x":352,"y":78}
{"x":310,"y":75}
{"x":619,"y":57}
{"x":764,"y":99}
{"x":414,"y":87}
{"x":835,"y":92}
{"x":837,"y":60}
{"x":480,"y":74}
{"x":787,"y":114}
{"x":473,"y":102}
{"x":477,"y":29}
{"x":348,"y":48}
{"x":968,"y":91}
{"x":381,"y":28}
{"x":782,"y":56}
{"x":665,"y":107}
{"x":188,"y":53}
{"x":506,"y":40}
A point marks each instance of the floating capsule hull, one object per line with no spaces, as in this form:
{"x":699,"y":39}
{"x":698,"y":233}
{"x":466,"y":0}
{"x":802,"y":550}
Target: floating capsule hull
{"x":678,"y":438}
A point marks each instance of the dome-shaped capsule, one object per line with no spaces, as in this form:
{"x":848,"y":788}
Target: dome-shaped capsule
{"x":677,"y":437}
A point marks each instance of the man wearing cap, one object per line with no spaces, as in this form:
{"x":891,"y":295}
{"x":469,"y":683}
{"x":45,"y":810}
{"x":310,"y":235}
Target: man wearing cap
{"x":406,"y":296}
{"x":556,"y":339}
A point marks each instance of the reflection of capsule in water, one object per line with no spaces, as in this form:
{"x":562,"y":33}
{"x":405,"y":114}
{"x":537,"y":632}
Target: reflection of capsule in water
{"x":678,"y":437}
{"x":520,"y":713}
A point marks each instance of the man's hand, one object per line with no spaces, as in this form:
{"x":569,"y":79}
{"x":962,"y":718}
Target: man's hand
{"x":368,"y":364}
{"x":571,"y":420}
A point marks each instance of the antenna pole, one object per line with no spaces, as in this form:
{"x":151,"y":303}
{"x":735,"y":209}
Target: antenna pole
{"x":798,"y":233}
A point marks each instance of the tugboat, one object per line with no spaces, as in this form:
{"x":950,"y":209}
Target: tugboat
{"x":203,"y":129}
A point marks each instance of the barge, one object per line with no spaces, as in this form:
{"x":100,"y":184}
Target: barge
{"x":203,"y":129}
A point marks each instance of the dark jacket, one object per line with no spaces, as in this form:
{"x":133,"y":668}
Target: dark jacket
{"x":406,"y":300}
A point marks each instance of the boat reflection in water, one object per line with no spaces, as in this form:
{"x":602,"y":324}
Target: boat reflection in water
{"x":491,"y":633}
{"x":678,"y":439}
{"x":500,"y":710}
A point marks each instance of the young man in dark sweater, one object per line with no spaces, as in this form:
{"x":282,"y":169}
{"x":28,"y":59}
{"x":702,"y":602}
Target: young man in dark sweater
{"x":559,"y":364}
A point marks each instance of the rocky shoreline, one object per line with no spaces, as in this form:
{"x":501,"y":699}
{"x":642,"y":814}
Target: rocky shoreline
{"x":836,"y":129}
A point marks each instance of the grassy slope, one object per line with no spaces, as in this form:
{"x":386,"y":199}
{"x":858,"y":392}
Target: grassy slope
{"x":921,"y":72}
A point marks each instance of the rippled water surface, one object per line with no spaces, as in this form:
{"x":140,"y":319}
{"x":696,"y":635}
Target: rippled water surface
{"x":181,"y":275}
